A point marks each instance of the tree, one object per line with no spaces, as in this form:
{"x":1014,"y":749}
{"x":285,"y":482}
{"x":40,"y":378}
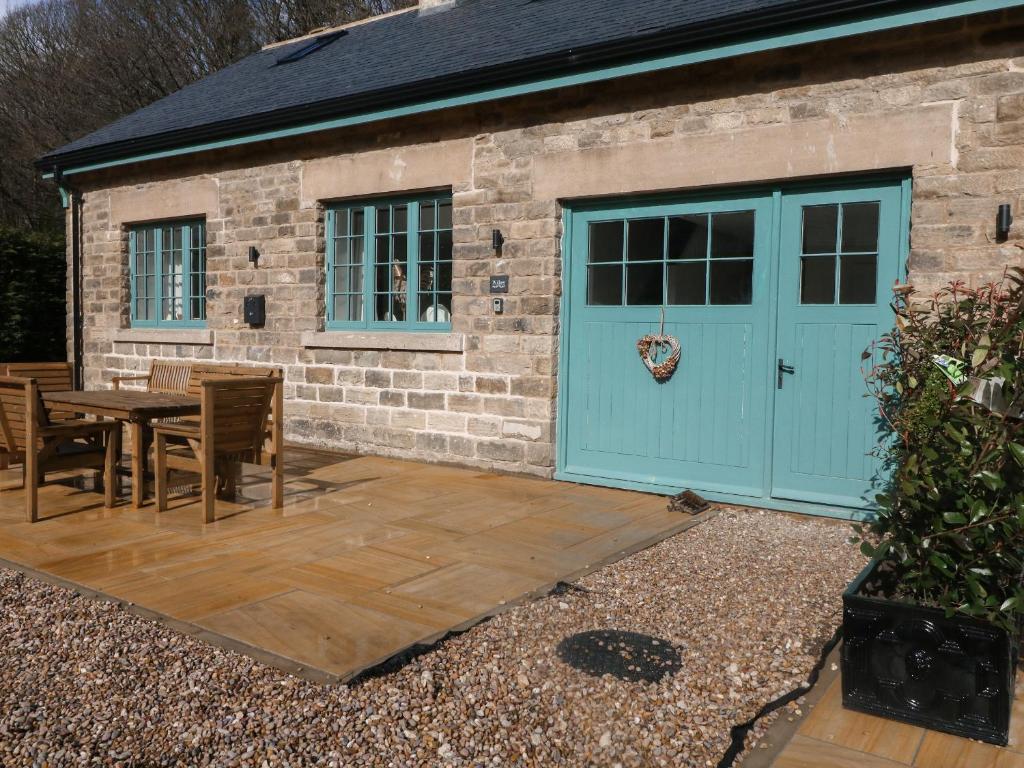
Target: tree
{"x":68,"y":67}
{"x":32,"y":296}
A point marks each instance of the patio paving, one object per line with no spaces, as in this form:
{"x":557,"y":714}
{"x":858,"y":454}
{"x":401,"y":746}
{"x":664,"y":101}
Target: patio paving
{"x":369,"y":557}
{"x":833,"y":737}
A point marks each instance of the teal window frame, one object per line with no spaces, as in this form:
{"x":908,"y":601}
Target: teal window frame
{"x":369,"y":236}
{"x":193,"y":283}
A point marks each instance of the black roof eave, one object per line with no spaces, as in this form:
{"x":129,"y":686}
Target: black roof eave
{"x":751,"y":25}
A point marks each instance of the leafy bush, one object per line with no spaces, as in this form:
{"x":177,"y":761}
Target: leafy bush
{"x":33,"y":320}
{"x":950,"y":530}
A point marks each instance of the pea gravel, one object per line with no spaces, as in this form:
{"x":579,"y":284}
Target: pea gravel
{"x":747,"y":599}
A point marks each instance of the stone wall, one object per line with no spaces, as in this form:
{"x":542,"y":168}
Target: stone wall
{"x":945,"y":101}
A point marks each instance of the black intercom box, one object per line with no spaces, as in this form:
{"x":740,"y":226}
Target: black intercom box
{"x":256,"y":309}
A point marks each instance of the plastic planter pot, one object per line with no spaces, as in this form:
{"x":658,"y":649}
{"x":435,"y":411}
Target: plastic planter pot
{"x":911,"y":663}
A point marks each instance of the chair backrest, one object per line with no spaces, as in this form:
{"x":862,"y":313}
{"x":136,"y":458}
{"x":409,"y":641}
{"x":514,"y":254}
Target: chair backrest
{"x":51,"y":377}
{"x":169,"y":377}
{"x":20,"y":400}
{"x":234,"y":412}
{"x":226,"y":372}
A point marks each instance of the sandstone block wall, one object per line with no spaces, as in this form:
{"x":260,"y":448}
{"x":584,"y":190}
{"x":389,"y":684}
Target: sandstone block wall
{"x":943,"y":102}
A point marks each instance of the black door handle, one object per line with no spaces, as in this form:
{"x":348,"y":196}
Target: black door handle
{"x":783,"y":368}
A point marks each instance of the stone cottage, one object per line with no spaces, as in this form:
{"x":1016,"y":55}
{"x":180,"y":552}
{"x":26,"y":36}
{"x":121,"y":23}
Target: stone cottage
{"x":463,"y":217}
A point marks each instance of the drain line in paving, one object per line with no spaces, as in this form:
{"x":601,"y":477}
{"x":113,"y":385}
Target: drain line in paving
{"x":738,"y":733}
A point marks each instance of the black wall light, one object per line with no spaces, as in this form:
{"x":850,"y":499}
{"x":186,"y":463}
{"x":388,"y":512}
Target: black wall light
{"x":254,"y":256}
{"x":1004,"y":220}
{"x":497,"y":239}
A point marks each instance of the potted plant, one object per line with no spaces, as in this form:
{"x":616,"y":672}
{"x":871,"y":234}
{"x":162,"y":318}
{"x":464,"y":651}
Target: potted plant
{"x":931,"y":625}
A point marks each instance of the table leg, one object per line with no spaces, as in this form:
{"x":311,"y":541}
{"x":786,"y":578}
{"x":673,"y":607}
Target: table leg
{"x":139,"y":449}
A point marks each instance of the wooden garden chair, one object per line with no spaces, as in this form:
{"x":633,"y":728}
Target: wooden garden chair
{"x":51,"y":377}
{"x":28,"y":435}
{"x":167,"y":376}
{"x":227,"y":371}
{"x":230,"y":432}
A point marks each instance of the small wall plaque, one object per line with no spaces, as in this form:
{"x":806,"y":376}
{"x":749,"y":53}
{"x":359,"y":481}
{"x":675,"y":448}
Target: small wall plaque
{"x":499,"y":283}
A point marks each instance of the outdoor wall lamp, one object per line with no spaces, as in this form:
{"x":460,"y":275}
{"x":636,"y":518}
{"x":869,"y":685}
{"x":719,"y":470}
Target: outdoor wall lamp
{"x":254,"y":256}
{"x":1004,"y":220}
{"x":497,"y":239}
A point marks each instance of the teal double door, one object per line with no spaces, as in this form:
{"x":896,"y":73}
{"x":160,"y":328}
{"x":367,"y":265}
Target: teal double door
{"x":774,"y":298}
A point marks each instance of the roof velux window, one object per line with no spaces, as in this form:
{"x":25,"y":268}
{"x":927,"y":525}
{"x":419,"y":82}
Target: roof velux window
{"x":312,"y":46}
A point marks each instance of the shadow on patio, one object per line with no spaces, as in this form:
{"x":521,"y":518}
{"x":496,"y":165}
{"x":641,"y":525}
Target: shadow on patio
{"x":368,"y":558}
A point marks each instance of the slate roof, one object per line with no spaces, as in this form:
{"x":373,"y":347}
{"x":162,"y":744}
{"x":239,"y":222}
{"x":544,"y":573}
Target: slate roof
{"x":413,"y":55}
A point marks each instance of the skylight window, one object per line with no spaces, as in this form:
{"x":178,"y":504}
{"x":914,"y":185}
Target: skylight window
{"x":312,"y":46}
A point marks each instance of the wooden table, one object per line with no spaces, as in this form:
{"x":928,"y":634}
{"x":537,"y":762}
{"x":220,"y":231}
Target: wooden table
{"x":133,"y":407}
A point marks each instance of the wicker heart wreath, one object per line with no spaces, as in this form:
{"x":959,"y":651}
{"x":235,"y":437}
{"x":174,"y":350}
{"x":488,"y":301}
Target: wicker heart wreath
{"x":649,"y":346}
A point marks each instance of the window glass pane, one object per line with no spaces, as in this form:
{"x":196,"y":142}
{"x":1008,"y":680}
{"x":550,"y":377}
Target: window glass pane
{"x":731,"y":282}
{"x":197,"y":262}
{"x":857,"y":279}
{"x":444,"y":246}
{"x":646,"y":239}
{"x":355,"y":307}
{"x":604,"y":285}
{"x":860,"y":228}
{"x":401,"y":218}
{"x":686,"y":282}
{"x":644,"y":284}
{"x":732,"y":234}
{"x":427,"y":246}
{"x":358,"y":217}
{"x":606,"y":240}
{"x":818,"y":280}
{"x":357,"y":252}
{"x":688,"y":238}
{"x":341,"y":307}
{"x":820,"y":224}
{"x":400,"y":248}
{"x":383,"y":219}
{"x":444,"y":215}
{"x":341,"y":221}
{"x":444,"y":277}
{"x":427,"y":214}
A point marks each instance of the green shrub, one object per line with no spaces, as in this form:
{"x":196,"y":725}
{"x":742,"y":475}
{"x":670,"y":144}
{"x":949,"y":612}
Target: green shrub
{"x":951,"y":526}
{"x":33,"y":318}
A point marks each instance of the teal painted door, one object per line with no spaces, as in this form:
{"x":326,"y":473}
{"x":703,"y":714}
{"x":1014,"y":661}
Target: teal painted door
{"x":840,"y":254}
{"x":706,"y":265}
{"x":743,"y":281}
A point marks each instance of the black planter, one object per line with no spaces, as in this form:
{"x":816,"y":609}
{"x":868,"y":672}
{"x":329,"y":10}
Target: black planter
{"x":912,"y":664}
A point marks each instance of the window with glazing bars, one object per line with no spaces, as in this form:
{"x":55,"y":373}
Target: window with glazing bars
{"x":389,"y":264}
{"x":168,"y":274}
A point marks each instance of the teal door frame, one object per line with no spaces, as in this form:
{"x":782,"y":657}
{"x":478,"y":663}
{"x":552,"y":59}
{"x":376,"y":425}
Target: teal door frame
{"x":572,"y":210}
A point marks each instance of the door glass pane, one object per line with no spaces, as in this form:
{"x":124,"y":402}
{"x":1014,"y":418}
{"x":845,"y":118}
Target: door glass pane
{"x":731,"y":281}
{"x":857,"y":275}
{"x":604,"y":285}
{"x":732,"y":234}
{"x":820,"y":228}
{"x":644,"y":284}
{"x":606,"y":240}
{"x":818,"y":280}
{"x":646,"y":239}
{"x":688,"y":237}
{"x":686,"y":282}
{"x":860,"y":228}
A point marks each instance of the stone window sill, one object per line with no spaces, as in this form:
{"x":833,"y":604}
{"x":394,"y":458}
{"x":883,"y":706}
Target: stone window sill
{"x":412,"y":342}
{"x":195,"y":336}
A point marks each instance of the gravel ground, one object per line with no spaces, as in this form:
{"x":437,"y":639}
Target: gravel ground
{"x":746,"y":600}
